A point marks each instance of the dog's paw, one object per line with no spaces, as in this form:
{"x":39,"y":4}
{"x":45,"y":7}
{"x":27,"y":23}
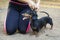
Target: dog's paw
{"x":32,"y":33}
{"x":51,"y":28}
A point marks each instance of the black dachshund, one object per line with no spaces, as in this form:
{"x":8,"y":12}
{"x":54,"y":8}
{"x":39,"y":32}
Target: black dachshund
{"x":38,"y":24}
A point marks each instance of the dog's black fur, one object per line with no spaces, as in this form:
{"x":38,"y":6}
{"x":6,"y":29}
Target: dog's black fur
{"x":38,"y":24}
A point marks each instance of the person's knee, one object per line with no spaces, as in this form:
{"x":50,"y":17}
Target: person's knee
{"x":22,"y":32}
{"x":10,"y":32}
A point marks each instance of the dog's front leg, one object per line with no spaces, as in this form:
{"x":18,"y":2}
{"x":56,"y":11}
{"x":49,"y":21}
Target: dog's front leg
{"x":51,"y":27}
{"x":44,"y":26}
{"x":36,"y":34}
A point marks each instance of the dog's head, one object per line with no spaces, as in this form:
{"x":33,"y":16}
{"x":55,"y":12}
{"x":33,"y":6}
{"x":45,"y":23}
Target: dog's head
{"x":31,"y":14}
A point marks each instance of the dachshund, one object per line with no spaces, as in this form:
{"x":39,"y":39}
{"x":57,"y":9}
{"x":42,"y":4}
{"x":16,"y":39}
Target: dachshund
{"x":38,"y":24}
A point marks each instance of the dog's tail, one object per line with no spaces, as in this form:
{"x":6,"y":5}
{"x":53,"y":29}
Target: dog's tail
{"x":44,"y":12}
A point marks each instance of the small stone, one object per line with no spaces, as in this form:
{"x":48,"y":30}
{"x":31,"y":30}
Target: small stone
{"x":46,"y":34}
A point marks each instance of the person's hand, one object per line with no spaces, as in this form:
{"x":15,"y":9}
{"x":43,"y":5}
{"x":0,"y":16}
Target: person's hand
{"x":36,"y":7}
{"x":31,"y":6}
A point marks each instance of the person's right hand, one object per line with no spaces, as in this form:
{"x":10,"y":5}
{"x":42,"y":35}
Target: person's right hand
{"x":31,"y":6}
{"x":34,"y":7}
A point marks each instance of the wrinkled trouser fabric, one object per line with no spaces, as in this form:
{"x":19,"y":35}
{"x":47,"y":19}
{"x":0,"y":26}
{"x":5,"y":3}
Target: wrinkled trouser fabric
{"x":15,"y":21}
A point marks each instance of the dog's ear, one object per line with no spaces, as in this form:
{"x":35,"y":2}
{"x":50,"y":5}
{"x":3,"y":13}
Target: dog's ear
{"x":34,"y":17}
{"x":33,"y":14}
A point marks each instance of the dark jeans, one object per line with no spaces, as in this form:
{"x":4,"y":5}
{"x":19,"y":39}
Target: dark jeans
{"x":15,"y":21}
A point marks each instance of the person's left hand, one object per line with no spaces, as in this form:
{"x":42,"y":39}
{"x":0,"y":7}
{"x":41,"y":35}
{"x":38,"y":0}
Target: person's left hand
{"x":37,"y":7}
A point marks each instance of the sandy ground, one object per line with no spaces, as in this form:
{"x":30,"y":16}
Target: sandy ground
{"x":53,"y":34}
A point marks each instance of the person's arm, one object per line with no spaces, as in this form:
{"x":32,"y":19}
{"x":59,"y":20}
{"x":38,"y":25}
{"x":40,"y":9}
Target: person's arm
{"x":38,"y":4}
{"x":30,"y":2}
